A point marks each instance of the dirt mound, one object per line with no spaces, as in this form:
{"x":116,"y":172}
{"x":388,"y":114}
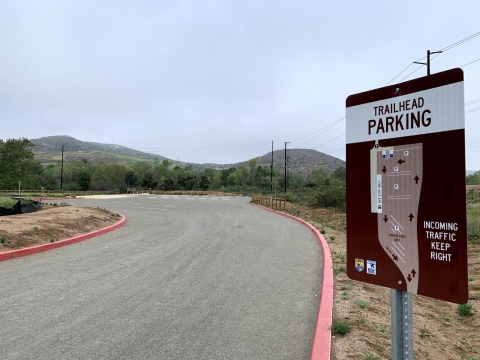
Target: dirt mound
{"x":51,"y":224}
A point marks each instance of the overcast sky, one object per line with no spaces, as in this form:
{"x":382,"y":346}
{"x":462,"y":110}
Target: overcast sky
{"x":217,"y":81}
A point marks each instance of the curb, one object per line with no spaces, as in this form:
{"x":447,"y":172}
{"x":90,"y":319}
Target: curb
{"x":322,"y":339}
{"x":7,"y":255}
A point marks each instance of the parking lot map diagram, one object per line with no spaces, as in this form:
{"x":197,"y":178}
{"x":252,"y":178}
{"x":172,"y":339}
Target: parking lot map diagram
{"x":406,"y":195}
{"x":396,"y":174}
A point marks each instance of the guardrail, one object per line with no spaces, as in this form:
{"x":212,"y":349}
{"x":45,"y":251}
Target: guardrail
{"x":270,"y":201}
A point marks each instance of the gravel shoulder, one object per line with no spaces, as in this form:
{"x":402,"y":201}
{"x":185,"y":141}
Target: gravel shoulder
{"x":440,"y":332}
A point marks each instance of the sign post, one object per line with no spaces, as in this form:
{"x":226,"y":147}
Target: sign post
{"x":406,"y":214}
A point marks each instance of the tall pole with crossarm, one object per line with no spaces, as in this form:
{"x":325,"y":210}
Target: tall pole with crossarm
{"x":61,"y":172}
{"x":285,"y":179}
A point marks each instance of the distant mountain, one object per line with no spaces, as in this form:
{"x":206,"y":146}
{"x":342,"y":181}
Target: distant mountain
{"x":48,"y":150}
{"x":301,"y":160}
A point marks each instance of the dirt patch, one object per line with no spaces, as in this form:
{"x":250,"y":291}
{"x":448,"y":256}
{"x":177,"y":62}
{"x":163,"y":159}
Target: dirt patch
{"x":440,"y":332}
{"x":51,"y":224}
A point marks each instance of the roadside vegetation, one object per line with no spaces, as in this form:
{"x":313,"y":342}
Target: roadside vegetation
{"x":320,"y":188}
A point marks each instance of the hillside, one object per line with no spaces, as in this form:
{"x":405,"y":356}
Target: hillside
{"x":48,"y":150}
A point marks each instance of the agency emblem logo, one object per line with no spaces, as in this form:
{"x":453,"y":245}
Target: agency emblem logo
{"x":359,"y":264}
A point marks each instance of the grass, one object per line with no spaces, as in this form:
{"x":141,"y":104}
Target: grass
{"x":340,"y":257}
{"x":465,"y":309}
{"x":370,"y":356}
{"x":340,"y":327}
{"x":339,"y":269}
{"x":423,"y":334}
{"x":473,"y":224}
{"x":7,"y":202}
{"x":363,"y":319}
{"x":362,"y":303}
{"x":383,"y":330}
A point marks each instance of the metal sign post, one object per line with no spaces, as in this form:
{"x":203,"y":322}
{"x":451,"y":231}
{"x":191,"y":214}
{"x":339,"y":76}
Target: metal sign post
{"x":402,"y":325}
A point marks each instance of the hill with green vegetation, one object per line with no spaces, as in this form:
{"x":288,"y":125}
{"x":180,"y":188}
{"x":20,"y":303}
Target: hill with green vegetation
{"x":48,"y":151}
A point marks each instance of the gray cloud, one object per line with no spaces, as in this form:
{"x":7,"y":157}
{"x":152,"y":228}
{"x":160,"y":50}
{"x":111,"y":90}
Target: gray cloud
{"x":180,"y":76}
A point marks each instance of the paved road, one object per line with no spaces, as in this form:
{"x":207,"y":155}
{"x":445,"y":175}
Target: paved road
{"x":186,"y":278}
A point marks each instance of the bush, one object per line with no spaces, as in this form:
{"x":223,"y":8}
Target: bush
{"x":2,"y":240}
{"x":465,"y":309}
{"x":340,"y":327}
{"x":362,"y":303}
{"x":330,"y":196}
{"x":322,"y":232}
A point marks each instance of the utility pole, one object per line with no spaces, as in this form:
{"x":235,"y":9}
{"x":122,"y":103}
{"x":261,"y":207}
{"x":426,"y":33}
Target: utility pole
{"x":61,"y":173}
{"x":285,"y":178}
{"x":428,"y":60}
{"x":271,"y":172}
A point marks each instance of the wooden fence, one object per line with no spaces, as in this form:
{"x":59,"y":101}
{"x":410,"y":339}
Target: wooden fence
{"x":270,"y":202}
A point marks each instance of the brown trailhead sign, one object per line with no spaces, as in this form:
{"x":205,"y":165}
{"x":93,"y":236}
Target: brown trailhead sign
{"x":406,"y":201}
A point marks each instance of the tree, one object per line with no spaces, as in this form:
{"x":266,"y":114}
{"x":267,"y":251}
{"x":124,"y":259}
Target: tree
{"x":17,"y":163}
{"x":144,"y":172}
{"x":339,"y":174}
{"x":109,"y":177}
{"x":225,"y":174}
{"x":252,"y":164}
{"x":318,"y":176}
{"x":204,"y":182}
{"x":166,"y":183}
{"x":473,"y":179}
{"x":130,"y":178}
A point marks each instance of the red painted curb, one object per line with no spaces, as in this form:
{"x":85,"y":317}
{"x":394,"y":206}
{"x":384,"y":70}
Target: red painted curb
{"x":7,"y":255}
{"x":322,"y":339}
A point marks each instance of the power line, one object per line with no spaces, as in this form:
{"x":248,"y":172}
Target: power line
{"x":330,"y":140}
{"x":472,"y":102}
{"x":401,"y":72}
{"x":208,"y":147}
{"x":331,"y":124}
{"x":472,"y":110}
{"x":460,"y":42}
{"x":470,"y":63}
{"x":443,"y":50}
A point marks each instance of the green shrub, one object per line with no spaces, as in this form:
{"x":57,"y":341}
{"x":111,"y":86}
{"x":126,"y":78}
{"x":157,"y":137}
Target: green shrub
{"x":340,"y":327}
{"x":383,"y":330}
{"x":322,"y":232}
{"x":465,"y":309}
{"x":362,"y":303}
{"x":332,"y":238}
{"x":2,"y":240}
